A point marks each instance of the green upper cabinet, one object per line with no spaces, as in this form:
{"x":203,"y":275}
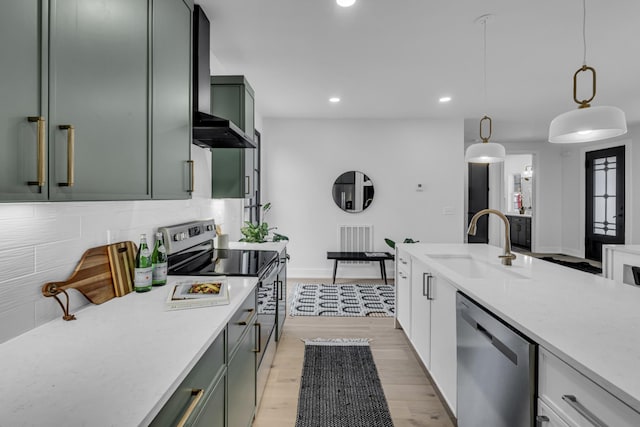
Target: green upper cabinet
{"x":98,"y":102}
{"x":22,"y":163}
{"x":233,"y":98}
{"x":171,"y":107}
{"x":95,"y":99}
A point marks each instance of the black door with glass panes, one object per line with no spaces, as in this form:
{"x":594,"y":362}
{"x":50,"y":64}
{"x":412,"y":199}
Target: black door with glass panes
{"x":604,"y":200}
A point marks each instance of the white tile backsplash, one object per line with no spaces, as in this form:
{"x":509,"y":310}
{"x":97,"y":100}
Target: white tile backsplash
{"x":43,"y":242}
{"x":17,"y":263}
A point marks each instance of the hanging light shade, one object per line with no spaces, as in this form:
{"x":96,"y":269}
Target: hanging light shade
{"x":587,"y":123}
{"x":485,"y":151}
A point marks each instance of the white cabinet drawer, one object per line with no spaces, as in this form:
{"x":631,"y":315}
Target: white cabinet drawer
{"x":404,"y":262}
{"x":548,"y":418}
{"x":577,"y":399}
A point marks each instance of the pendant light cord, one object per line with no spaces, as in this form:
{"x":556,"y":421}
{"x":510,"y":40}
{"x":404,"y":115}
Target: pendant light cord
{"x":484,"y":60}
{"x":584,"y":32}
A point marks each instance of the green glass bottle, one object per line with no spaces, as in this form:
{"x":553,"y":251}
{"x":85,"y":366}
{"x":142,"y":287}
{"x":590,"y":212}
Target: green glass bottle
{"x":143,"y":268}
{"x":159,"y":262}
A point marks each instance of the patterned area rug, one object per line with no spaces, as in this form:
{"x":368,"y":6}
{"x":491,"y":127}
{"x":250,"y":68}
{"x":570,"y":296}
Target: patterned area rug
{"x":349,"y":300}
{"x":340,"y":386}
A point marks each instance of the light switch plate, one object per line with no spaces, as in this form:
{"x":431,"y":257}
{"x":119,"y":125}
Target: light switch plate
{"x":447,"y":210}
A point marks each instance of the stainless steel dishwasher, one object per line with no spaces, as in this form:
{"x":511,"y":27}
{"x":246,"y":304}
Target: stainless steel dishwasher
{"x":496,"y":370}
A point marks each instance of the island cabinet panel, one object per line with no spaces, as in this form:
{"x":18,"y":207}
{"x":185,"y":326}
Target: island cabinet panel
{"x":22,"y":95}
{"x":443,"y":338}
{"x":171,"y":105}
{"x":421,"y":312}
{"x":547,"y":418}
{"x":427,"y":313}
{"x":403,"y":290}
{"x":98,"y":124}
{"x":578,"y":400}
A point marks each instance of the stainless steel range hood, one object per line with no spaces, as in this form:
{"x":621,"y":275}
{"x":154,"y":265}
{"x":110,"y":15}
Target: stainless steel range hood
{"x":209,"y":131}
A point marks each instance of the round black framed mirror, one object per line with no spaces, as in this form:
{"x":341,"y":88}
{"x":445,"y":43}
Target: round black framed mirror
{"x":353,"y":191}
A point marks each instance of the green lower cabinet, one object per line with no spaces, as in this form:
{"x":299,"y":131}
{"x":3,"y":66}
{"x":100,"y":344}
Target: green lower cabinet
{"x":241,"y":382}
{"x":197,"y":386}
{"x":213,"y":411}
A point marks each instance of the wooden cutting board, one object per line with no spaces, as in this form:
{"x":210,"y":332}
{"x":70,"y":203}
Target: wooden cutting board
{"x":104,"y":272}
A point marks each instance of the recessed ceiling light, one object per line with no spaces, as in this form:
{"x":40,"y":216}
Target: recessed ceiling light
{"x":445,"y":99}
{"x":334,"y":99}
{"x":345,"y":3}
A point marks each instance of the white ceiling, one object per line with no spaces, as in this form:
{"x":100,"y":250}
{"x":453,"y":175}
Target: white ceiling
{"x":395,"y":58}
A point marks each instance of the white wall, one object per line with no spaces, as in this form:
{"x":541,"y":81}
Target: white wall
{"x":43,"y":242}
{"x":303,"y":157}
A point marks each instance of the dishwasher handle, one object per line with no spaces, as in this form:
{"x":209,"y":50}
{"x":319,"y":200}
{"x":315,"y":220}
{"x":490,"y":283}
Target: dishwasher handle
{"x":496,"y":342}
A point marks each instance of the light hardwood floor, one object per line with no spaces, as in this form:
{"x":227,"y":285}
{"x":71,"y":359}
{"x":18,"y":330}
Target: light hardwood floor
{"x":411,"y":397}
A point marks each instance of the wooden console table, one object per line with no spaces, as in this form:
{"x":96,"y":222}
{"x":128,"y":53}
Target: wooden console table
{"x":360,"y":256}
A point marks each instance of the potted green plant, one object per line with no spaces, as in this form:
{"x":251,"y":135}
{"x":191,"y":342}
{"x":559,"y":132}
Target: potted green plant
{"x":392,"y":244}
{"x":257,"y":233}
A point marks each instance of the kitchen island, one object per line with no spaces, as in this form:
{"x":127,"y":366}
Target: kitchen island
{"x":586,"y":321}
{"x":116,"y":365}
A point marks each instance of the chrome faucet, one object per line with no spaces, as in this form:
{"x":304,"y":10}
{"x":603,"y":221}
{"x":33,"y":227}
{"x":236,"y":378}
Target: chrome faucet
{"x":507,"y":256}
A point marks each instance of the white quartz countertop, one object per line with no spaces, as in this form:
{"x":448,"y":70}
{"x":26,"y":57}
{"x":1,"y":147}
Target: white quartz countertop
{"x":116,"y":365}
{"x":632,"y":249}
{"x":590,"y":322}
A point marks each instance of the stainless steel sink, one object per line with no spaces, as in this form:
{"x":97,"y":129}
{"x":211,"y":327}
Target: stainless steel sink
{"x":469,"y":267}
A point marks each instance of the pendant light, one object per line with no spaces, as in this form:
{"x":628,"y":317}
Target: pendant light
{"x":587,"y":123}
{"x":485,"y":152}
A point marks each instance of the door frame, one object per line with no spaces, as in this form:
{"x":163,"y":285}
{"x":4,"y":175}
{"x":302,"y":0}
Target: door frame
{"x":582,"y":202}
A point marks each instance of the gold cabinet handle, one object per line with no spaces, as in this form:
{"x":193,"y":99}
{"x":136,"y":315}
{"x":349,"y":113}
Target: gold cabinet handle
{"x":198,"y":393}
{"x":192,"y":176}
{"x":246,"y":321}
{"x":259,"y":349}
{"x":71,"y":141}
{"x":41,"y":153}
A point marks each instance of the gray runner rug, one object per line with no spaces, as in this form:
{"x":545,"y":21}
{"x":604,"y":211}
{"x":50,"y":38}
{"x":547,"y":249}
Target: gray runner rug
{"x":340,"y":386}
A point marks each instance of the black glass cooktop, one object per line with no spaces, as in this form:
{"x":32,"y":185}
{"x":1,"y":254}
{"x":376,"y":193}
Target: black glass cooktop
{"x":228,"y":262}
